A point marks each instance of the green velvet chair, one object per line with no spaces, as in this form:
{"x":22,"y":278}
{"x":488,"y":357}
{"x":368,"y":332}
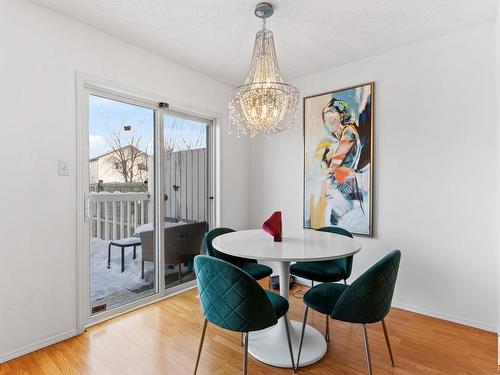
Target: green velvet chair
{"x":250,"y":266}
{"x":233,"y":300}
{"x":367,"y":300}
{"x":326,"y":271}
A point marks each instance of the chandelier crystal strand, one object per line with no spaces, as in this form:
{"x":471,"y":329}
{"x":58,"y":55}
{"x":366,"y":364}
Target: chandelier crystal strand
{"x":264,"y":104}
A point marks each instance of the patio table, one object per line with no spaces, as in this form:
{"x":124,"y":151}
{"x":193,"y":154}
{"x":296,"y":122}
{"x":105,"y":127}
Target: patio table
{"x":123,"y":243}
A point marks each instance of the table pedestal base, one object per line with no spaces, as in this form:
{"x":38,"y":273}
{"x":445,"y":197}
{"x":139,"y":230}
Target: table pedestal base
{"x":270,"y":345}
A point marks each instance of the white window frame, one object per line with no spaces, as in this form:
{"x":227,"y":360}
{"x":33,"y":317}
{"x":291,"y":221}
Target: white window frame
{"x":86,"y":85}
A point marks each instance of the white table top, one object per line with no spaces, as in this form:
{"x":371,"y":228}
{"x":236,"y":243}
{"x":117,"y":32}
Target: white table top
{"x":303,"y":245}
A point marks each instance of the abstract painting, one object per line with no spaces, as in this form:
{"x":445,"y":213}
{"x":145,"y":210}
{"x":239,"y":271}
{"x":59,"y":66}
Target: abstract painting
{"x":338,"y":159}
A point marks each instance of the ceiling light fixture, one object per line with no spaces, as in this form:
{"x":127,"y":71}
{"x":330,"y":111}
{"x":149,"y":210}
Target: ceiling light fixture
{"x":264,"y":104}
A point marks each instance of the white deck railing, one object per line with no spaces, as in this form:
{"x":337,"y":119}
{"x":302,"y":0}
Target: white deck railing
{"x":117,"y":215}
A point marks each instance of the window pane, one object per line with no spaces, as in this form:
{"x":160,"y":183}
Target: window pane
{"x":121,"y":166}
{"x":186,"y":201}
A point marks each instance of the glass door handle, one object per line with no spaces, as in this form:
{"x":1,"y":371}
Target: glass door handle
{"x":86,"y":208}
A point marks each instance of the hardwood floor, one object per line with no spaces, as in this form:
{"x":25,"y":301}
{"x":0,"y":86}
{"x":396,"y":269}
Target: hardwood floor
{"x":163,"y":339}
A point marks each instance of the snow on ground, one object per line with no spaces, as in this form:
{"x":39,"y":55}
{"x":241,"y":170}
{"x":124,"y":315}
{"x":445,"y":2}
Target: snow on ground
{"x":112,"y":287}
{"x":108,"y":282}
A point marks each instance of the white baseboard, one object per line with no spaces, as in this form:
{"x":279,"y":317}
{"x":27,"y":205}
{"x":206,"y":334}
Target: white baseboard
{"x":36,"y":346}
{"x":444,"y":316}
{"x":434,"y":314}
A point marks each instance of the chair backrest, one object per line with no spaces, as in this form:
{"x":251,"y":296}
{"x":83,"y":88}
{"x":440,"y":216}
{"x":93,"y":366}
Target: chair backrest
{"x":182,"y":242}
{"x":147,"y":246}
{"x":210,"y":250}
{"x":230,"y":298}
{"x":345,"y":263}
{"x":368,"y":299}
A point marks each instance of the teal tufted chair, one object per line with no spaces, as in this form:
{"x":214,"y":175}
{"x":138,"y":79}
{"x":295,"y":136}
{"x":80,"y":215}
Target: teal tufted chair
{"x":233,"y":300}
{"x":325,"y":271}
{"x":250,"y":266}
{"x":367,"y":300}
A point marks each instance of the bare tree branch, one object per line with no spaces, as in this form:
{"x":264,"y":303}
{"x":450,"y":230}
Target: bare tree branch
{"x":126,"y":157}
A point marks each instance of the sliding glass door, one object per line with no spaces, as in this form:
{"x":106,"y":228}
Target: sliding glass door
{"x":145,"y":178}
{"x":185,"y":193}
{"x":121,"y":202}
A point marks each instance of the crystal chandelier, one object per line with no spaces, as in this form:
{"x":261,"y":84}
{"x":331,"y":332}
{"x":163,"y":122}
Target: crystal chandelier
{"x":264,"y":104}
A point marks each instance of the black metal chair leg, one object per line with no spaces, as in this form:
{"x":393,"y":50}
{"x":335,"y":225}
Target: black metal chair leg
{"x":135,"y":254}
{"x":180,"y":272}
{"x":123,"y":259}
{"x":109,"y":255}
{"x":201,"y":345}
{"x":388,"y":342}
{"x":304,"y":321}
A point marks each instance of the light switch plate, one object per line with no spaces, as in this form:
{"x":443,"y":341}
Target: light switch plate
{"x":63,"y":168}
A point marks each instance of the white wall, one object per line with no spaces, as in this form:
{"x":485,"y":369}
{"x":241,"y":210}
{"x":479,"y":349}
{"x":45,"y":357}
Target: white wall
{"x":40,"y":51}
{"x":435,"y":165}
{"x":435,"y":172}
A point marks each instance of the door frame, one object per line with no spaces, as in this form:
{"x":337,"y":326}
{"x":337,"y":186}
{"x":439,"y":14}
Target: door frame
{"x":85,"y":85}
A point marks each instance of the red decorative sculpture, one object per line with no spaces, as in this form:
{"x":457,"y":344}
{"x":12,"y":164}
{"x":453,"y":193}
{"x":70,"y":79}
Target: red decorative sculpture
{"x":273,"y":226}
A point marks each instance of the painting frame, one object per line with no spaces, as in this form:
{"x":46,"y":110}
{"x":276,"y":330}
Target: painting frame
{"x":370,"y":231}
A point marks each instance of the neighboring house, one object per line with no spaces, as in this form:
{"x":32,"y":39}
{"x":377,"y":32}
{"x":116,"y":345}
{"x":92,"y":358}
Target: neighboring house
{"x":127,"y":164}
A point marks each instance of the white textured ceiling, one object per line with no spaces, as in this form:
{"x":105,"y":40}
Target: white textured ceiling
{"x":215,"y":37}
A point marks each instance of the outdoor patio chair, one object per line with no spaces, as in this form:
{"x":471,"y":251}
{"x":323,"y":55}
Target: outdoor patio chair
{"x":181,"y":244}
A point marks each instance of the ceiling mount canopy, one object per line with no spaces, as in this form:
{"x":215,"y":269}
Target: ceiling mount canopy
{"x":264,"y":104}
{"x":264,"y":10}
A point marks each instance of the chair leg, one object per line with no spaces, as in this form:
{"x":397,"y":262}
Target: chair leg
{"x":304,"y":321}
{"x":367,"y":350}
{"x":327,"y":331}
{"x":123,"y":259}
{"x":180,"y":272}
{"x":201,"y":345}
{"x":388,"y":342}
{"x":345,"y":282}
{"x":245,"y":355}
{"x":109,"y":255}
{"x":287,"y":328}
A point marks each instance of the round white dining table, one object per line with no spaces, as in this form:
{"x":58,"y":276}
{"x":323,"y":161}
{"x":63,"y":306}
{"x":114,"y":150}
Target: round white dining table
{"x":304,"y":245}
